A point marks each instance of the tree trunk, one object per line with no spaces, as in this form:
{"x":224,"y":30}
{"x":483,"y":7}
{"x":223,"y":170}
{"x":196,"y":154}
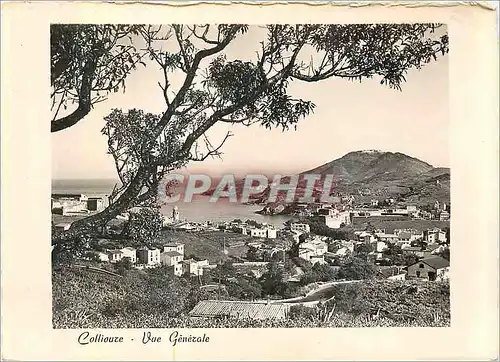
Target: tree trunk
{"x":91,"y":224}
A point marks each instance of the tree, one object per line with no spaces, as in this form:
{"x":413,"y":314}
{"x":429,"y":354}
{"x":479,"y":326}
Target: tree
{"x":123,"y":265}
{"x":253,"y":254}
{"x":143,"y":225}
{"x":357,"y":269}
{"x":447,"y":231}
{"x":244,"y":288}
{"x":445,"y":253}
{"x":147,"y":146}
{"x":87,"y":63}
{"x":272,"y":280}
{"x":362,"y":250}
{"x":225,"y":271}
{"x":394,"y":254}
{"x":411,"y":259}
{"x":318,"y":273}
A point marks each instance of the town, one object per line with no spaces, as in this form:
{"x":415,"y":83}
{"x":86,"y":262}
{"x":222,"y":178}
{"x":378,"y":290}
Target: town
{"x":321,"y":246}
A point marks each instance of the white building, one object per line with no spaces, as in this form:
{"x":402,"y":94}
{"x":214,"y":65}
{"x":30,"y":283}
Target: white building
{"x":388,"y":238}
{"x":193,"y":267}
{"x":258,"y":233}
{"x":148,"y":256}
{"x":130,"y":253}
{"x":171,"y":258}
{"x":336,"y":219}
{"x":434,"y":236}
{"x":178,"y":247}
{"x":114,"y":255}
{"x":102,"y":256}
{"x":303,"y":228}
{"x":176,"y":216}
{"x":317,"y":259}
{"x":272,"y":233}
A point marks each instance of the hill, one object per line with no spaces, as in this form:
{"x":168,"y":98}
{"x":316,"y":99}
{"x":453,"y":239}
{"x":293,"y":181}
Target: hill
{"x":386,"y":174}
{"x":375,"y":173}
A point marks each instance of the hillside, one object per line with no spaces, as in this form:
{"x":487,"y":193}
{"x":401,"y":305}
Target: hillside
{"x":154,"y":299}
{"x":377,"y":174}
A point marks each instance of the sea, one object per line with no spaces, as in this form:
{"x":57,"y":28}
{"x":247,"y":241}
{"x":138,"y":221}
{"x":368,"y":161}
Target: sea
{"x":199,"y":210}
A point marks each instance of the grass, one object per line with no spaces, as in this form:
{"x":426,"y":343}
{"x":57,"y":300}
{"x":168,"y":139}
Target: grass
{"x":208,"y":245}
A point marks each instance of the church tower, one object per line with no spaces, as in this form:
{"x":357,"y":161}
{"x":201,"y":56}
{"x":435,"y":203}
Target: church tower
{"x":175,"y":214}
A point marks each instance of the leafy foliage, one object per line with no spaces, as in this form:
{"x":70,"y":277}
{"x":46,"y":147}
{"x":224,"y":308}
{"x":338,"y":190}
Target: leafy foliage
{"x":144,"y":225}
{"x":397,"y":300}
{"x":356,"y":269}
{"x":244,"y":288}
{"x":87,"y":63}
{"x":318,"y":273}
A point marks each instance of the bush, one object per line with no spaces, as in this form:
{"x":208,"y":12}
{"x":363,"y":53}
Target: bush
{"x":357,"y":269}
{"x":299,"y":312}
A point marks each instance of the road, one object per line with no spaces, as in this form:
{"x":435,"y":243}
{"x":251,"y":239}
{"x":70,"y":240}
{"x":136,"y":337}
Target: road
{"x":321,"y":294}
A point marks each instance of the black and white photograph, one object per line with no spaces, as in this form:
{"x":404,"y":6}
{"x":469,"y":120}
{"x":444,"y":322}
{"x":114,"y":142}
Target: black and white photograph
{"x":234,"y":175}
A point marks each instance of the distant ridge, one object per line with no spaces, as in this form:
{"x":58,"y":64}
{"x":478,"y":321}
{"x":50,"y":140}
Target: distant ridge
{"x":378,"y":173}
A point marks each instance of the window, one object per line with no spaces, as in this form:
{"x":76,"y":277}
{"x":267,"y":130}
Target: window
{"x":421,"y":265}
{"x":418,"y":274}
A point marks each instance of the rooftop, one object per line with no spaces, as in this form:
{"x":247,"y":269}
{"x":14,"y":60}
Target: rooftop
{"x":174,"y":243}
{"x":239,"y":309}
{"x":436,"y":262}
{"x":172,"y":253}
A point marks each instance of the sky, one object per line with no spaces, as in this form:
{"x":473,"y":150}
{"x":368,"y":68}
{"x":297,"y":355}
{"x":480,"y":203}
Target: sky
{"x":349,"y":116}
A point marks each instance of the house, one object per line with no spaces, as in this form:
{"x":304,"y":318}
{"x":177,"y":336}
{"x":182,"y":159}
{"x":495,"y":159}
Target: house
{"x":389,"y":238}
{"x":130,"y":253}
{"x":102,"y":256}
{"x":317,"y":259}
{"x":444,"y":215}
{"x":306,"y":254}
{"x":336,"y":219}
{"x":170,"y":258}
{"x":413,"y":250}
{"x":365,"y":237}
{"x":406,"y":236}
{"x":148,"y":256}
{"x":379,"y":246}
{"x":272,"y":233}
{"x":258,"y":233}
{"x":70,"y":204}
{"x":191,"y":266}
{"x":391,"y":273}
{"x":431,"y":268}
{"x":411,"y":209}
{"x":178,"y":247}
{"x":434,"y":236}
{"x":115,"y":255}
{"x":303,"y":228}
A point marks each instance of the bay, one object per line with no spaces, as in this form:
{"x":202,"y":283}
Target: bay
{"x":200,"y":209}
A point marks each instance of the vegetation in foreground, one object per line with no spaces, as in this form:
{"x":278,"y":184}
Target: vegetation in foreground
{"x":153,"y":299}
